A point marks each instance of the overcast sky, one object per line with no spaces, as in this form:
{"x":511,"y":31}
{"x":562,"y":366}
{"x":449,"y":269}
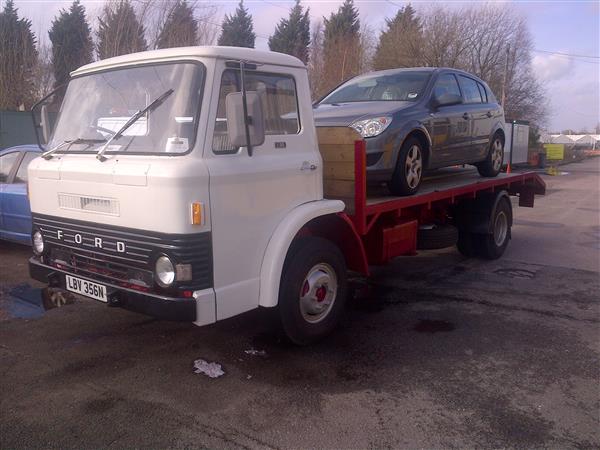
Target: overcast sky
{"x":572,"y":27}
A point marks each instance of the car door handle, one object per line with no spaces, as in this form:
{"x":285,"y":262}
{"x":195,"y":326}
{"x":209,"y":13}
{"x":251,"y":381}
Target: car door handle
{"x":308,"y":166}
{"x":489,"y":114}
{"x":466,"y":116}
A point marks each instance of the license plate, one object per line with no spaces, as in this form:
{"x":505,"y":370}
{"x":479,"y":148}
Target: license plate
{"x":87,"y":288}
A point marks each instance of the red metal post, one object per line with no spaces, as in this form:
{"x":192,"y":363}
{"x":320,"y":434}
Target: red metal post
{"x":360,"y":186}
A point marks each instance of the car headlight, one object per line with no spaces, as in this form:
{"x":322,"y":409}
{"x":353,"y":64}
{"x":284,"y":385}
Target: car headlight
{"x":38,"y":242}
{"x":165,"y":271}
{"x":371,"y":127}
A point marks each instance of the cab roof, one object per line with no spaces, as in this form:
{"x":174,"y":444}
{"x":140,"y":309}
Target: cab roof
{"x":220,"y":52}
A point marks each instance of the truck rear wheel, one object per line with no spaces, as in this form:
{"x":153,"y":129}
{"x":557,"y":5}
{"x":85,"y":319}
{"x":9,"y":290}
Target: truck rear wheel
{"x":313,"y":290}
{"x":489,"y":245}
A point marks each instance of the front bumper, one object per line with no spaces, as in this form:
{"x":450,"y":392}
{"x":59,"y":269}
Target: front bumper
{"x":161,"y":307}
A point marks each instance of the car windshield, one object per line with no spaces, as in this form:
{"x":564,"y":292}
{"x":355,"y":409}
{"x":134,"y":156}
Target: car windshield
{"x":97,"y":106}
{"x":401,"y":86}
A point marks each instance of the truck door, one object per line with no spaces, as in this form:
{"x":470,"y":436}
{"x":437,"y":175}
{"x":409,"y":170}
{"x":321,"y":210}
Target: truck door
{"x":448,"y":125}
{"x":250,"y":195}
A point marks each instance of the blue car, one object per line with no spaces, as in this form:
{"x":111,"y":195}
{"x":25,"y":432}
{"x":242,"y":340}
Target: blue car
{"x":15,"y":215}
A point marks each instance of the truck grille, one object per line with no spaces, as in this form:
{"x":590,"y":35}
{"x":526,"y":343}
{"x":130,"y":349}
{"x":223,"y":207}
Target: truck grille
{"x":110,"y":253}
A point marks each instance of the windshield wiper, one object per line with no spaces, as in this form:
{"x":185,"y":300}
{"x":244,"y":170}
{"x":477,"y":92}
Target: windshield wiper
{"x":148,"y":109}
{"x":48,"y":154}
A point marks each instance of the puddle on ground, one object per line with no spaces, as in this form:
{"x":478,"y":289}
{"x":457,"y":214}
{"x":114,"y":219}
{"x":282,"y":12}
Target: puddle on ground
{"x":433,"y":326}
{"x":26,"y":302}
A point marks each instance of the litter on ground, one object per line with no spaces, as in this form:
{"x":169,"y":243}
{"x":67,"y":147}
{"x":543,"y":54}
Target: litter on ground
{"x":212,"y":370}
{"x":255,"y":352}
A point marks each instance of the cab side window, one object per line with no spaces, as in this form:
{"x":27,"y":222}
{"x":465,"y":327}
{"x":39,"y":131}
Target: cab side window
{"x":279,"y":100}
{"x":470,"y":90}
{"x":446,"y":84}
{"x":21,"y":176}
{"x":7,"y":162}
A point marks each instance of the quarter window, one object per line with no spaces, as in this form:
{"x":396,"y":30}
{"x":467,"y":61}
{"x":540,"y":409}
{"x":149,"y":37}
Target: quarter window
{"x":446,"y":84}
{"x":6,"y":164}
{"x":21,"y":176}
{"x":470,"y":90}
{"x":277,"y":93}
{"x":483,"y":92}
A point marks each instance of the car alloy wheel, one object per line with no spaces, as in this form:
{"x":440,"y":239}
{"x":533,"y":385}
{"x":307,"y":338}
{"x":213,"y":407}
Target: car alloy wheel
{"x":497,"y":154}
{"x":413,"y":166}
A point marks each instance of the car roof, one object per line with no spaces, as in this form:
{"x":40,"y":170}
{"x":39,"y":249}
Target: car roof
{"x":21,"y":148}
{"x":422,"y":69}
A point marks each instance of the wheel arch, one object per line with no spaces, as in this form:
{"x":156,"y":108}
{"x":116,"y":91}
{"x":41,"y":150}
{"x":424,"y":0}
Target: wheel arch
{"x":281,"y":239}
{"x":422,"y":135}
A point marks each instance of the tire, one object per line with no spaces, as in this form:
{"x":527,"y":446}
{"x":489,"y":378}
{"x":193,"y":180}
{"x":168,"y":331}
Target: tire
{"x":313,"y":290}
{"x":493,"y":245}
{"x":492,"y":164}
{"x":442,"y":236}
{"x":408,"y":173}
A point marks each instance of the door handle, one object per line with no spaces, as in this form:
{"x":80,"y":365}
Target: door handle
{"x":489,"y":114}
{"x":466,"y":116}
{"x":308,"y":166}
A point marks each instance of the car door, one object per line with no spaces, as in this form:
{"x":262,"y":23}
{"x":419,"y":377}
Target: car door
{"x":8,"y":166}
{"x":480,"y":119}
{"x":250,"y":195}
{"x":449,"y":126}
{"x":17,"y":213}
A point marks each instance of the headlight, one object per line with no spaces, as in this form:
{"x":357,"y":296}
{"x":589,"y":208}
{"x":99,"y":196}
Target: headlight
{"x":165,"y":271}
{"x":371,"y":127}
{"x":38,"y":242}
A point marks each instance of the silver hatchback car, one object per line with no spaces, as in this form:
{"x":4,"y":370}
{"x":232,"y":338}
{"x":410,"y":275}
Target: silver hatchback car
{"x":418,"y":119}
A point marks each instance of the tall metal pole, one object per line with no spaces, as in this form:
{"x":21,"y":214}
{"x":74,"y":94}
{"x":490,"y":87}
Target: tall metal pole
{"x":505,"y":78}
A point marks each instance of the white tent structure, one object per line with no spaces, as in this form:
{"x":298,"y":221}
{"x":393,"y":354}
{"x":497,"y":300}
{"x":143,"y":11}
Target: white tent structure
{"x":562,"y":139}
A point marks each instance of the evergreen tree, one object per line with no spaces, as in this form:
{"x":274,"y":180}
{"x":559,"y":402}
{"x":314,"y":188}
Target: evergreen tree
{"x":292,"y":35}
{"x":342,"y":50}
{"x":120,"y":32}
{"x":401,"y":42}
{"x":18,"y":58}
{"x":237,"y":29}
{"x":71,"y":40}
{"x":180,"y":29}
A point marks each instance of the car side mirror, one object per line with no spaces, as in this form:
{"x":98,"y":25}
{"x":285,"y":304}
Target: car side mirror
{"x":446,"y":99}
{"x":236,"y":126}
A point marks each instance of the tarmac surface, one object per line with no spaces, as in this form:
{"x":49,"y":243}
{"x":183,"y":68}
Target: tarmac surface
{"x":436,"y":351}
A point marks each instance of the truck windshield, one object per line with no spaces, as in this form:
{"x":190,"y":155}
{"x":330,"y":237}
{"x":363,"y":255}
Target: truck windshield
{"x":406,"y":86}
{"x":97,"y":106}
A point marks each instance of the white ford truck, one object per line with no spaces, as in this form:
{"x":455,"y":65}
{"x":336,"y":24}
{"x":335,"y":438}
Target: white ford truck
{"x":191,"y":184}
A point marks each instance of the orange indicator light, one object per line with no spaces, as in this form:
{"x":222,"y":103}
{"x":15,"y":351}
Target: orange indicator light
{"x":197,"y":218}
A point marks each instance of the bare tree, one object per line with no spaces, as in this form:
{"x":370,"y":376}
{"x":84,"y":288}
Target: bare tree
{"x":155,"y":14}
{"x":43,"y":74}
{"x":315,"y":61}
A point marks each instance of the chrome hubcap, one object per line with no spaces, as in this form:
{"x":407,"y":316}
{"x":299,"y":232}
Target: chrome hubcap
{"x":318,"y":293}
{"x":500,"y":228}
{"x":497,"y":154}
{"x":414,"y":166}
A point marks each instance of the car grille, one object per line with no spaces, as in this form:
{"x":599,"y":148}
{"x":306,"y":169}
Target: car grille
{"x":117,"y":254}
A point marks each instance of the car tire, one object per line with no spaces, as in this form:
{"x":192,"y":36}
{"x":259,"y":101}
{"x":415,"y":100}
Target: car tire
{"x":437,"y":237}
{"x":313,"y":290}
{"x":492,"y":164}
{"x":408,"y":173}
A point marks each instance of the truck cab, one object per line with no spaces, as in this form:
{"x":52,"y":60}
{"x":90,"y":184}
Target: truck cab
{"x":136,"y":221}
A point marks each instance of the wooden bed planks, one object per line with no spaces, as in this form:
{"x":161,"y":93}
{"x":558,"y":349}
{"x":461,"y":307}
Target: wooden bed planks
{"x":336,"y":145}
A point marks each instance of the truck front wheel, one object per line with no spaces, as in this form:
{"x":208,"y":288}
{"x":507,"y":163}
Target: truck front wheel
{"x":313,"y":289}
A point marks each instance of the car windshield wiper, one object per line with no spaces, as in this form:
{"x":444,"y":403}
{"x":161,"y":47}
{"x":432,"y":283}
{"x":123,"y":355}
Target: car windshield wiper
{"x":69,"y":143}
{"x":148,"y":109}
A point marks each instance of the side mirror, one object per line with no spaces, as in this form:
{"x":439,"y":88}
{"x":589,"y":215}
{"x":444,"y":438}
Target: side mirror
{"x":44,"y":114}
{"x":236,"y":125}
{"x":446,"y":99}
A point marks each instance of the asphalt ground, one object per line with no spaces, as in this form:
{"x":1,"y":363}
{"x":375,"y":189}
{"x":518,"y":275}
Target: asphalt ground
{"x":435,"y":351}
